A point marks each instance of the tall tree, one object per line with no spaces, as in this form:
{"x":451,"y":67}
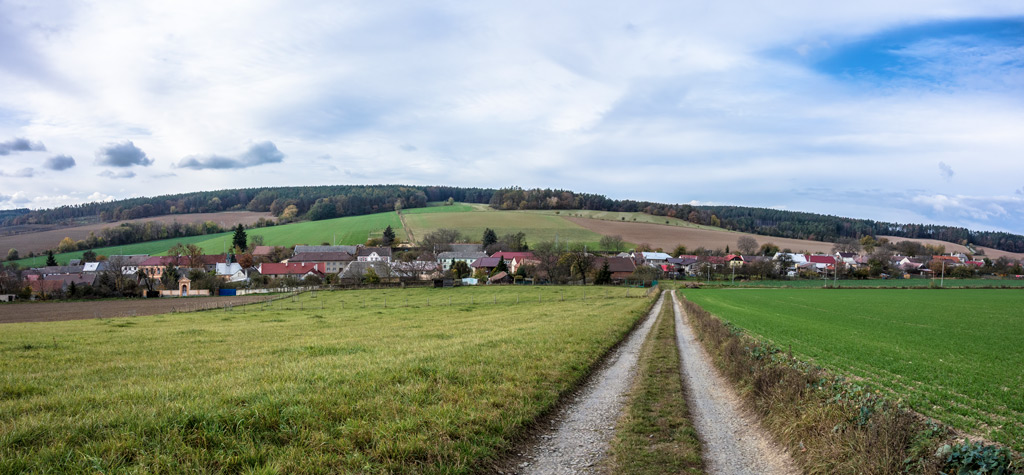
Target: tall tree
{"x":389,"y":236}
{"x":12,"y":255}
{"x":490,"y":237}
{"x":604,"y":276}
{"x":238,"y":241}
{"x":50,"y":260}
{"x":613,"y":243}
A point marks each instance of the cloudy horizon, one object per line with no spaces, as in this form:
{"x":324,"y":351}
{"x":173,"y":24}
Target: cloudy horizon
{"x":907,"y":112}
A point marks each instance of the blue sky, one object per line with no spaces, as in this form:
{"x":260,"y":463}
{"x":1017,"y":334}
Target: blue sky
{"x":902,"y":111}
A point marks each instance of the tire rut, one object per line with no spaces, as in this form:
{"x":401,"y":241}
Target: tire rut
{"x":733,"y":441}
{"x":579,"y":434}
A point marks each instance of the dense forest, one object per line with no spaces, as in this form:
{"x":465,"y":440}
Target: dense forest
{"x":324,"y":202}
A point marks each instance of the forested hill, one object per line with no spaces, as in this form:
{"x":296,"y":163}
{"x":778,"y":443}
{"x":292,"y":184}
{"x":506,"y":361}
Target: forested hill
{"x":323,"y":202}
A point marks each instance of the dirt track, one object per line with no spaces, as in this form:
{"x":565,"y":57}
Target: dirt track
{"x":668,"y":237}
{"x":42,"y":240}
{"x":59,"y":311}
{"x":733,"y":440}
{"x":580,"y":432}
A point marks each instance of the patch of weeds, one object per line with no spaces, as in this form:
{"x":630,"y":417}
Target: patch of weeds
{"x":316,"y":316}
{"x":19,"y":390}
{"x":274,"y":320}
{"x":332,"y":350}
{"x":125,"y":324}
{"x":975,"y":458}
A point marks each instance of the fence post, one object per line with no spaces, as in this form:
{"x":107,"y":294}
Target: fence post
{"x":385,"y":302}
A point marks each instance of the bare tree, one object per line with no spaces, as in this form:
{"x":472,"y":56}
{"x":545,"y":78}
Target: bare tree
{"x":116,"y":271}
{"x":846,"y":244}
{"x":613,"y":243}
{"x":441,"y":240}
{"x":747,"y":245}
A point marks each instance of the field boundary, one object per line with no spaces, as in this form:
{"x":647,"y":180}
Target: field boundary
{"x":829,"y":424}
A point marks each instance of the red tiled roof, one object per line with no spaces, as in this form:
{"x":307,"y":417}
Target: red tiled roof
{"x":509,"y":255}
{"x":290,"y":269}
{"x":821,"y":259}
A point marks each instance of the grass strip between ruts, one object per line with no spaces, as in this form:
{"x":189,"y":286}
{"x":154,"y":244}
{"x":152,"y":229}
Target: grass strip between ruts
{"x":656,"y":433}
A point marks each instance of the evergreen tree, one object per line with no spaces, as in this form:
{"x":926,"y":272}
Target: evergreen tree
{"x":50,"y":260}
{"x":501,"y":267}
{"x":604,"y":276}
{"x":389,"y":236}
{"x":490,"y":237}
{"x":239,"y":239}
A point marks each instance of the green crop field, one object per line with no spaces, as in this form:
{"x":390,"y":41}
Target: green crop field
{"x":395,"y":381}
{"x":348,"y":230}
{"x":440,"y":207}
{"x":954,"y":355}
{"x":624,"y":216}
{"x":949,"y":283}
{"x":537,"y":227}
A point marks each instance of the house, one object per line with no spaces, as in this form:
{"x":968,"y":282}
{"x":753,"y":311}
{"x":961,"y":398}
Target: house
{"x":94,"y":267}
{"x":129,"y":262}
{"x":7,"y":297}
{"x":45,"y":287}
{"x":516,"y":259}
{"x":374,"y":254}
{"x":951,"y":261}
{"x":466,"y":247}
{"x":848,"y":258}
{"x":333,"y":261}
{"x":822,"y":263}
{"x":349,"y":249}
{"x":734,"y":260}
{"x":653,"y":259}
{"x":154,"y":266}
{"x":59,"y":270}
{"x":299,"y":271}
{"x":231,"y":272}
{"x":486,"y":263}
{"x":500,"y":278}
{"x":447,"y":259}
{"x":620,"y":267}
{"x":418,"y":270}
{"x":262,"y":252}
{"x":357,"y":269}
{"x":68,"y":279}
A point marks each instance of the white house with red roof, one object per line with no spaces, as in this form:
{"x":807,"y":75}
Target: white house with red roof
{"x":300,"y":270}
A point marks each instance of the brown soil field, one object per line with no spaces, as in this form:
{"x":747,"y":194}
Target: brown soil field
{"x":40,"y":241}
{"x":951,"y":247}
{"x":60,"y":311}
{"x":668,"y":237}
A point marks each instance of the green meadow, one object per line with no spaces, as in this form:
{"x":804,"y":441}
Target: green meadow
{"x":472,"y":223}
{"x":954,"y":355}
{"x":394,"y":381}
{"x":348,"y":230}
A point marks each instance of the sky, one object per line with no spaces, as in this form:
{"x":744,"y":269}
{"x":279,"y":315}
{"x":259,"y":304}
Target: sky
{"x":909,"y":111}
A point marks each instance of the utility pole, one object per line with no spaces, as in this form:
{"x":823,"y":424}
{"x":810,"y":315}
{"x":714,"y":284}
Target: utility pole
{"x":942,"y":280}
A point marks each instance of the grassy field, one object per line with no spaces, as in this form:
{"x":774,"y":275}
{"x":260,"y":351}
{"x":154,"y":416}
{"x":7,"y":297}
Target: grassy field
{"x":624,"y":217}
{"x":538,"y":227}
{"x":954,"y":355}
{"x":872,"y":283}
{"x":348,"y":383}
{"x":349,"y":230}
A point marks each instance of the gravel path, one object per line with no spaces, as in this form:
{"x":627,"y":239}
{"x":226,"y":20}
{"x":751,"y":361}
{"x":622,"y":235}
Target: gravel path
{"x":733,"y":441}
{"x":579,"y":433}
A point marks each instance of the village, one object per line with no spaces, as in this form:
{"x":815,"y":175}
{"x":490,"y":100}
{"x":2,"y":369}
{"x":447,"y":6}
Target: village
{"x":187,"y":272}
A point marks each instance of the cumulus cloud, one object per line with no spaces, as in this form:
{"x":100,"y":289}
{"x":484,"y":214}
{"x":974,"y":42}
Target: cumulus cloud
{"x":258,"y":154}
{"x":23,"y":173}
{"x":20,"y":145}
{"x":5,"y":197}
{"x":946,"y":171}
{"x":123,"y":154}
{"x":115,"y":175}
{"x":59,"y":162}
{"x":97,"y":196}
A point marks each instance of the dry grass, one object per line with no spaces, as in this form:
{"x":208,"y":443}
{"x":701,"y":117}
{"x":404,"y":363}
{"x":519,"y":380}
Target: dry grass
{"x":829,"y":426}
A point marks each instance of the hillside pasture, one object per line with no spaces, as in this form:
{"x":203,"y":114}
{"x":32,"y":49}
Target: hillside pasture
{"x":537,"y":227}
{"x":668,"y":237}
{"x":348,"y":230}
{"x":953,"y":355}
{"x":394,"y":381}
{"x":40,"y":241}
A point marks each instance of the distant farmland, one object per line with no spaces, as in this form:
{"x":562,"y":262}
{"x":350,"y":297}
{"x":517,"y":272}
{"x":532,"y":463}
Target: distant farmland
{"x":395,"y":381}
{"x":40,"y":241}
{"x":472,"y":222}
{"x":349,"y":230}
{"x":953,"y":355}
